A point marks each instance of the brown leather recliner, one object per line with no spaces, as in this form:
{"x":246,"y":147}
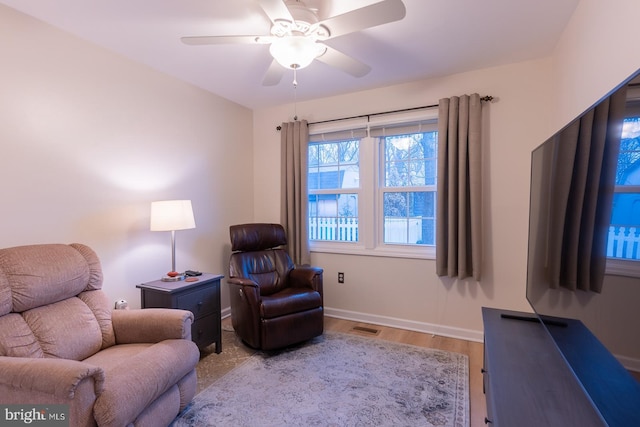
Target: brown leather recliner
{"x":274,"y":304}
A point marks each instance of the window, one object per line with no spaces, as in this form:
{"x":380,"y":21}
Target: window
{"x":372,"y":186}
{"x":408,"y":189}
{"x":334,"y":175}
{"x":624,"y":232}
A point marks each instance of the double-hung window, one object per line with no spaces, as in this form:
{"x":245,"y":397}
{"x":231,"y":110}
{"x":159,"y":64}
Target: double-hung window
{"x":372,"y":186}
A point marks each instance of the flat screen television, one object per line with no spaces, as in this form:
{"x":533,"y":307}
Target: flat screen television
{"x":597,"y":333}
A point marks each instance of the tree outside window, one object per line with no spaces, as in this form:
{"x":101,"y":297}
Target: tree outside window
{"x":410,"y":168}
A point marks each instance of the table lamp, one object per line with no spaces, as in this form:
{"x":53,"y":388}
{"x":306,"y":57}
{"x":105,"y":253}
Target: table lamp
{"x":172,"y":215}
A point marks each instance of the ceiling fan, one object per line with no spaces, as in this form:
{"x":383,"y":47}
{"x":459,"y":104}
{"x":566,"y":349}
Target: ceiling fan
{"x":297,"y":35}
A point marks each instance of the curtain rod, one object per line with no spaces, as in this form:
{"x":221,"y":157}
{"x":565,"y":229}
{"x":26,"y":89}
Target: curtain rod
{"x":487,"y":98}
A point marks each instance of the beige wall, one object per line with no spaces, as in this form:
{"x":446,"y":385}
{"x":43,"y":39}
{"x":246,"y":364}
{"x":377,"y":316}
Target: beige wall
{"x":88,"y":139}
{"x":534,"y":99}
{"x":598,"y":50}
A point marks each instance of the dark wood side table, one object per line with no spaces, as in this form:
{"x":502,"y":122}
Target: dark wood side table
{"x":202,"y":298}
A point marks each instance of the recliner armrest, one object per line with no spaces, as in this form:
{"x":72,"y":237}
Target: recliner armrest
{"x":23,"y":379}
{"x":249,"y":289}
{"x":241,"y":281}
{"x":305,"y":276}
{"x":151,"y":325}
{"x":308,"y":277}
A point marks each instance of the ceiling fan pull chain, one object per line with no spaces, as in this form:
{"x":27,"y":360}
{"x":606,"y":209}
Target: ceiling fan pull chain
{"x":295,"y":93}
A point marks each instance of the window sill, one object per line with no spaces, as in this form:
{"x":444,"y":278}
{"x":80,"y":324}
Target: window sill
{"x":621,"y":267}
{"x":388,"y":251}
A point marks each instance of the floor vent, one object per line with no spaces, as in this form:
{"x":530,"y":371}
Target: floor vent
{"x":366,"y":330}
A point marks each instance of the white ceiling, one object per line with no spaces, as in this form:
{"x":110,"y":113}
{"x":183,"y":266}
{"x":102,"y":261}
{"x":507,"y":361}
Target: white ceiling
{"x":436,"y":38}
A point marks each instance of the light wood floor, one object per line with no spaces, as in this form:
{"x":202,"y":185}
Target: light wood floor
{"x":473,"y":350}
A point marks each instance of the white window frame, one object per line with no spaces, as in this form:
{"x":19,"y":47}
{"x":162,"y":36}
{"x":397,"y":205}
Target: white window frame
{"x":370,"y":206}
{"x":617,"y":266}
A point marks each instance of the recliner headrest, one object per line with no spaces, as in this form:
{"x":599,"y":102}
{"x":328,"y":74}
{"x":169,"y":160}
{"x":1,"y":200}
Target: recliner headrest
{"x":36,"y":275}
{"x":256,"y":237}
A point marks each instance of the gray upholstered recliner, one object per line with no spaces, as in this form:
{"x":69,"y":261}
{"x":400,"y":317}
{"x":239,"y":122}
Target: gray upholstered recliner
{"x":274,"y":303}
{"x":61,"y":343}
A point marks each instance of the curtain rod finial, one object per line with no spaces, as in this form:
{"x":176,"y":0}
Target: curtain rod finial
{"x":487,"y":98}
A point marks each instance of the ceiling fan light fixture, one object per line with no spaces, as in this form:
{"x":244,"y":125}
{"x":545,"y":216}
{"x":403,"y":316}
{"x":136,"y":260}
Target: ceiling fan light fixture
{"x":295,"y":52}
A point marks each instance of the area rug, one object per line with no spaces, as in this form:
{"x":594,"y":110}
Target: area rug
{"x":339,"y":380}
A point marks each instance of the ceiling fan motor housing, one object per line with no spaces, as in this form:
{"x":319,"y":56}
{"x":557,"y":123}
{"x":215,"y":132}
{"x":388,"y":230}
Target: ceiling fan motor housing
{"x":305,"y":23}
{"x":295,"y":46}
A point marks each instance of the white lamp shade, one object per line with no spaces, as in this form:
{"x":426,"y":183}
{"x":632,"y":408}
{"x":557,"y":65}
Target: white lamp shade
{"x":169,"y":215}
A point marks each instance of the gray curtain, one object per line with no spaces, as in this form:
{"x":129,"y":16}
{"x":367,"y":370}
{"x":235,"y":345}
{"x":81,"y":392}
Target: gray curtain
{"x":584,"y":167}
{"x":459,"y":203}
{"x":294,"y":138}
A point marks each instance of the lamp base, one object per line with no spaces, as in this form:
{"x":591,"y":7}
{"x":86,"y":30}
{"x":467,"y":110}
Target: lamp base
{"x":173,"y":278}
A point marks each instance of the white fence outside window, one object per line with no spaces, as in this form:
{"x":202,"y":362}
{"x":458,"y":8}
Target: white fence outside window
{"x":623,"y":242}
{"x":333,"y":229}
{"x":346,"y":230}
{"x":401,"y":230}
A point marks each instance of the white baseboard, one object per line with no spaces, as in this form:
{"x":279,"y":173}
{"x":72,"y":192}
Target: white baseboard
{"x":411,"y":325}
{"x":629,"y":363}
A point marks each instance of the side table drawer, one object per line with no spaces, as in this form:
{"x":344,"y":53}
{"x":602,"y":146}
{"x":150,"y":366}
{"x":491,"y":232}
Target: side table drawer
{"x":205,"y":330}
{"x":200,"y":302}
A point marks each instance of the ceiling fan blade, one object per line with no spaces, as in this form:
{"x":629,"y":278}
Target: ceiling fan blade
{"x":365,"y":17}
{"x":344,"y":62}
{"x":276,"y":10}
{"x":274,"y":74}
{"x":203,"y":40}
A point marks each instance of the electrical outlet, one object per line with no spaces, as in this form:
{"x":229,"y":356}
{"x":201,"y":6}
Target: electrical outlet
{"x":340,"y":277}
